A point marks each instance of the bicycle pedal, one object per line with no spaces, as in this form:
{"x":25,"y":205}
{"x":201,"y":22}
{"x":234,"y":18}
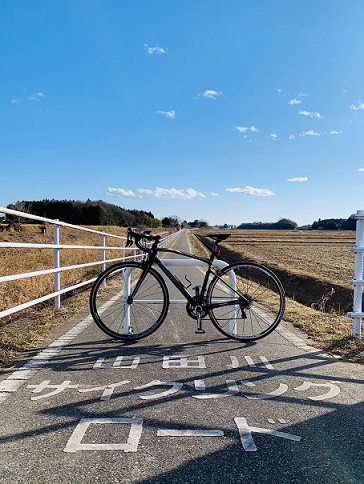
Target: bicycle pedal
{"x":200,"y":331}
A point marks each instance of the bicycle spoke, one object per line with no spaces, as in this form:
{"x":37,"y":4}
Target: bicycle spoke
{"x":118,"y":315}
{"x":260,"y":305}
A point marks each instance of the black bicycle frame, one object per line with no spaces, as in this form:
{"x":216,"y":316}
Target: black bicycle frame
{"x":152,"y":258}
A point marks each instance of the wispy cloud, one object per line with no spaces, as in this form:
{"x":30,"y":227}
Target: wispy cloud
{"x":334,"y":131}
{"x":120,"y":193}
{"x":298,"y":179}
{"x":210,"y":94}
{"x":302,"y":94}
{"x":213,"y":194}
{"x":155,"y":50}
{"x":360,"y":169}
{"x":291,"y":136}
{"x":292,"y":102}
{"x":181,"y":194}
{"x":245,"y":129}
{"x":311,"y":114}
{"x":311,"y":132}
{"x":36,"y":97}
{"x":255,"y":192}
{"x":273,"y":136}
{"x":359,"y":107}
{"x":168,"y":114}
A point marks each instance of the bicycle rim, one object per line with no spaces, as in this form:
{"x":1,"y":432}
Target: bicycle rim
{"x":119,"y":316}
{"x":253,"y":309}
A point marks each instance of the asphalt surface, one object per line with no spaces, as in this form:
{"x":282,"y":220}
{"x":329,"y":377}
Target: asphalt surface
{"x":180,"y":407}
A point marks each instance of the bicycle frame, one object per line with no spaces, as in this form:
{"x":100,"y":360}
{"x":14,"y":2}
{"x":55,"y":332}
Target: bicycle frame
{"x":244,"y":300}
{"x":152,"y":258}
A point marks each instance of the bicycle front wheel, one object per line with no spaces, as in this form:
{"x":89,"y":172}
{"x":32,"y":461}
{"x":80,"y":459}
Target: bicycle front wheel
{"x":124,"y":317}
{"x":249,"y":301}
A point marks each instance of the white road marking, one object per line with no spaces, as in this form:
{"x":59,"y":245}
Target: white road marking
{"x":74,"y":443}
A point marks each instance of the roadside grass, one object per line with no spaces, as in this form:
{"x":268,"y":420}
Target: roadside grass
{"x":330,"y":332}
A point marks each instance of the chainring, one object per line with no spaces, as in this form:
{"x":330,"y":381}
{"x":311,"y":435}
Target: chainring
{"x":191,"y":311}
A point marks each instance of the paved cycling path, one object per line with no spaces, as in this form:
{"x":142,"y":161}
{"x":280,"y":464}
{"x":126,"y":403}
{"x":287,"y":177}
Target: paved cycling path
{"x":178,"y":407}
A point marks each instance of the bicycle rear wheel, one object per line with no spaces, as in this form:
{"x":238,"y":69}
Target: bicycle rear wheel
{"x":253,"y":309}
{"x":116,"y":313}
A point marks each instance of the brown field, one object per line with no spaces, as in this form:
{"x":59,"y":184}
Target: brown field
{"x":314,"y":267}
{"x":19,"y":260}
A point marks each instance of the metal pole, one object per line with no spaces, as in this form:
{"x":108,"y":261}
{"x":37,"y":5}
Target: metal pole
{"x":56,"y":265}
{"x":358,"y":275}
{"x":103,"y":251}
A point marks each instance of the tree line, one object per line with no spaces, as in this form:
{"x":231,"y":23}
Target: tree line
{"x":102,"y":213}
{"x":320,"y":224}
{"x":97,"y":212}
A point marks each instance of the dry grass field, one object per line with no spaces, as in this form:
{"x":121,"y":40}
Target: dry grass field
{"x":312,"y":263}
{"x":314,"y":267}
{"x":19,"y":260}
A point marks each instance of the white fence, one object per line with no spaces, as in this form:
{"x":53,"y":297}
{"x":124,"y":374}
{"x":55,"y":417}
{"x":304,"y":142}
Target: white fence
{"x":124,"y":253}
{"x":357,"y":314}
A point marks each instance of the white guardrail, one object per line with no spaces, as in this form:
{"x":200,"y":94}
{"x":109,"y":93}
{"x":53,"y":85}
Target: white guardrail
{"x":57,"y":268}
{"x":357,"y":313}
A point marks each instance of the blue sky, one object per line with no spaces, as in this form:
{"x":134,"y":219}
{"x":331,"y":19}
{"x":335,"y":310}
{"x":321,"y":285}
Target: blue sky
{"x":228,"y":111}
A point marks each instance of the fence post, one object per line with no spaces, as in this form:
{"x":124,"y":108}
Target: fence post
{"x":123,"y":250}
{"x":56,"y":265}
{"x":358,"y":274}
{"x":103,"y":251}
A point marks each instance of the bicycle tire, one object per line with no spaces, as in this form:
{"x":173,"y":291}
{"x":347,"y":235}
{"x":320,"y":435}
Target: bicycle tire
{"x":260,"y":301}
{"x":121,"y":318}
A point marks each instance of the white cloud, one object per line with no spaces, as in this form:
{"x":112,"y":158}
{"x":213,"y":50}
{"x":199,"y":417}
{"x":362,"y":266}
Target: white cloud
{"x":357,"y":108}
{"x":213,"y":194}
{"x":155,"y":50}
{"x":273,"y":136}
{"x":311,"y":114}
{"x":334,"y":131}
{"x":37,"y":97}
{"x":256,"y":192}
{"x":210,"y":94}
{"x":168,"y":114}
{"x":302,"y":94}
{"x":294,"y":101}
{"x":291,"y":136}
{"x":183,"y":194}
{"x":311,"y":132}
{"x":360,"y":169}
{"x":298,"y":179}
{"x":120,"y":192}
{"x":279,"y":90}
{"x":244,"y":129}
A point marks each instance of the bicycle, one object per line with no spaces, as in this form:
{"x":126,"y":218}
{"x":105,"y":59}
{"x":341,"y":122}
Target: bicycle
{"x":129,"y":300}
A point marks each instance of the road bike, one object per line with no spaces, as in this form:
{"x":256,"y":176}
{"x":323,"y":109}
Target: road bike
{"x":130,"y":300}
